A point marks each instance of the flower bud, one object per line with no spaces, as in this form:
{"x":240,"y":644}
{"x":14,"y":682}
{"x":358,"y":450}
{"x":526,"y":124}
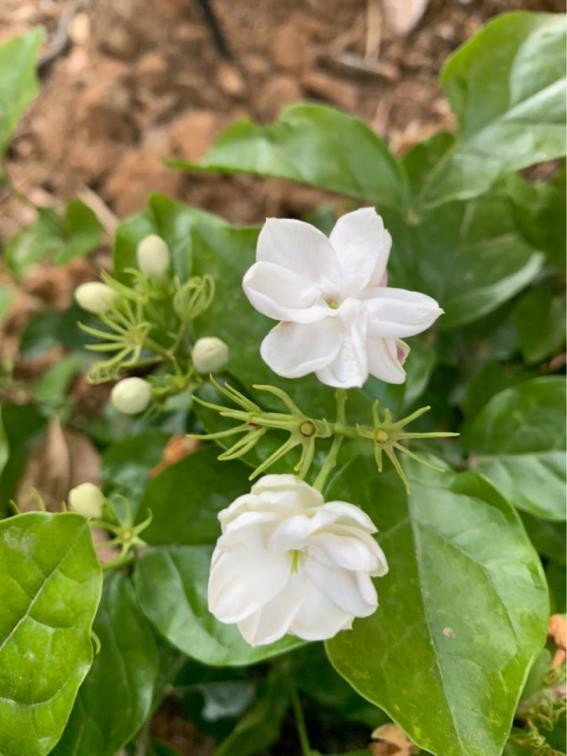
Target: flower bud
{"x":87,"y":500}
{"x":131,"y":395}
{"x":153,"y":256}
{"x":210,"y":355}
{"x":94,"y":297}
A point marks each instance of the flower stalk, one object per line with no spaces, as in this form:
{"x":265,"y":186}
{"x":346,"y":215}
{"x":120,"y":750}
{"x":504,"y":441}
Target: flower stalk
{"x":387,"y":435}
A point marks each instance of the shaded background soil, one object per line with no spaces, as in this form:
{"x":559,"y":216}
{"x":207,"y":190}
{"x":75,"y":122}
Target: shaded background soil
{"x":127,"y":83}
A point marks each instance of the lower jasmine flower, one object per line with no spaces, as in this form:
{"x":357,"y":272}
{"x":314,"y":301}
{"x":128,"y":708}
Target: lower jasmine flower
{"x":287,"y":562}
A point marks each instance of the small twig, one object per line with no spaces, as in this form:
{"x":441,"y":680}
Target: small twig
{"x":99,"y":207}
{"x":60,"y":40}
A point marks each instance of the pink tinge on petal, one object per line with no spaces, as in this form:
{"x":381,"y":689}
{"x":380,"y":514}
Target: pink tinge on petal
{"x":402,"y":351}
{"x":384,"y":280}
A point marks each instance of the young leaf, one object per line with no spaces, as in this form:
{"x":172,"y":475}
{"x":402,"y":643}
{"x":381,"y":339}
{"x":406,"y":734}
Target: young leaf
{"x":18,"y":82}
{"x":116,"y":697}
{"x":518,"y":441}
{"x":49,"y":594}
{"x":312,"y":144}
{"x":463,"y":611}
{"x":507,"y":88}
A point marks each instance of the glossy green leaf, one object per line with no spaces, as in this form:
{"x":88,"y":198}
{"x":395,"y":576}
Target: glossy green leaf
{"x":186,"y":498}
{"x":171,"y":585}
{"x":518,"y":441}
{"x":18,"y":82}
{"x":49,"y":593}
{"x":172,"y":221}
{"x":539,"y":318}
{"x":60,"y":237}
{"x":507,"y":88}
{"x":171,"y":580}
{"x":489,"y":380}
{"x":469,"y":256}
{"x":312,"y":144}
{"x":23,"y":427}
{"x":463,"y":611}
{"x":116,"y":697}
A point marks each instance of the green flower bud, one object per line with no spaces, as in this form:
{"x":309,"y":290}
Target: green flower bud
{"x":131,"y":395}
{"x":87,"y":500}
{"x":95,"y":297}
{"x":153,"y":256}
{"x":210,"y":355}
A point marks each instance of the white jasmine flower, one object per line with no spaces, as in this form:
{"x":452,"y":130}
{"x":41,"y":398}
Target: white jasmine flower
{"x":153,"y":256}
{"x":94,"y":297}
{"x":286,"y":562}
{"x":131,"y":395}
{"x":339,"y":319}
{"x":87,"y":500}
{"x":210,"y":355}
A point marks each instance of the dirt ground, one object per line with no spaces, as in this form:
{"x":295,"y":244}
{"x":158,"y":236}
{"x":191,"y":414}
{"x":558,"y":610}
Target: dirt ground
{"x":127,"y":83}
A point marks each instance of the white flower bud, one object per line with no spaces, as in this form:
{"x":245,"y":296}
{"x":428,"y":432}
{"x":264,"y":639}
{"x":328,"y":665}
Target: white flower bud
{"x":87,"y":500}
{"x":94,"y":297}
{"x":210,"y":355}
{"x":153,"y":256}
{"x":131,"y":395}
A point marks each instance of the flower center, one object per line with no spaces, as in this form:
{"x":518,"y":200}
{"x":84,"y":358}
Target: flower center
{"x":295,"y":555}
{"x":333,"y":304}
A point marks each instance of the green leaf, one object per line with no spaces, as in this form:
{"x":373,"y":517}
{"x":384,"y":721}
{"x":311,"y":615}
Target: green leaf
{"x":549,"y":538}
{"x":23,"y":427}
{"x":60,"y":237}
{"x":518,"y":441}
{"x":507,"y":88}
{"x":539,"y":318}
{"x":7,"y":294}
{"x":260,"y":727}
{"x":463,"y":611}
{"x":172,"y":221}
{"x":492,"y":378}
{"x":469,"y":256}
{"x":116,"y":697}
{"x":171,"y":581}
{"x":49,"y":593}
{"x":186,"y":498}
{"x":126,"y":464}
{"x":557,"y":581}
{"x":171,"y":585}
{"x":540,"y":213}
{"x":312,"y":144}
{"x":18,"y":82}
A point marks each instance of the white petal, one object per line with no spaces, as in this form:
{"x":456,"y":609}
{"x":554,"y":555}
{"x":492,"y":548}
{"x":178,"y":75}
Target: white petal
{"x":383,"y":360}
{"x":341,"y":587}
{"x":352,"y":552}
{"x":363,"y":246}
{"x":298,"y":246}
{"x":279,"y":293}
{"x":288,"y":484}
{"x":349,"y":368}
{"x":395,"y":313}
{"x":318,"y":617}
{"x":273,"y":621}
{"x":241,"y":581}
{"x":294,"y":350}
{"x":348,"y":514}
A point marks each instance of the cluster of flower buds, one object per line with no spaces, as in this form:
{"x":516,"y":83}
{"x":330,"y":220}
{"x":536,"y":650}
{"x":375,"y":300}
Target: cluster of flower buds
{"x":148,"y":323}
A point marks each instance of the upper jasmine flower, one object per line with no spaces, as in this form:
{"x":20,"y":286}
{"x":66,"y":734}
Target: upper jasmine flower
{"x":339,"y":319}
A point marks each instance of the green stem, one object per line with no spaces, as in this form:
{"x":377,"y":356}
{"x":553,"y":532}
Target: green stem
{"x":118,"y":563}
{"x":299,"y":718}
